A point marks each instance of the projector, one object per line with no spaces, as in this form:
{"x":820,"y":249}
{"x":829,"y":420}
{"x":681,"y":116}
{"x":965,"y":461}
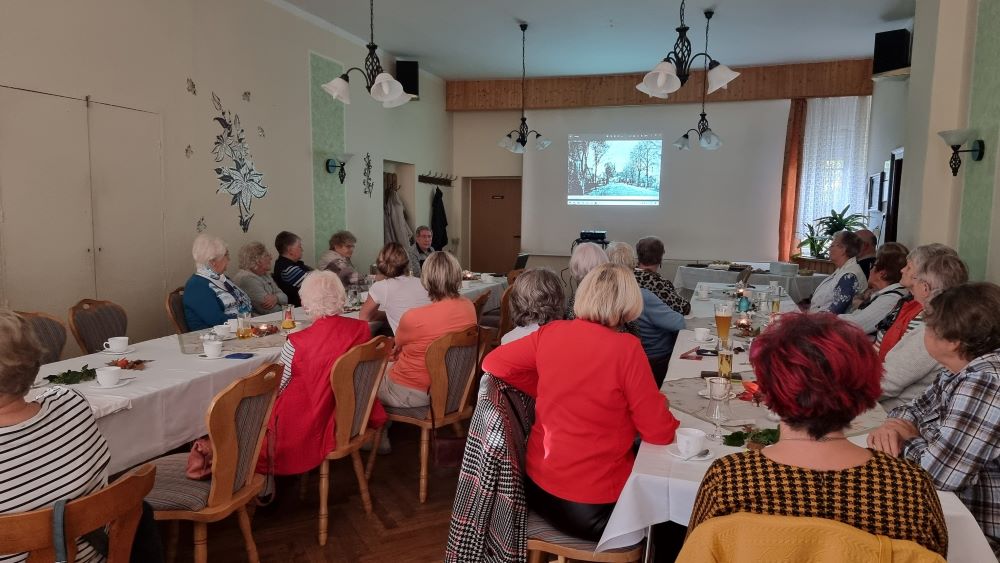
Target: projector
{"x":593,"y":235}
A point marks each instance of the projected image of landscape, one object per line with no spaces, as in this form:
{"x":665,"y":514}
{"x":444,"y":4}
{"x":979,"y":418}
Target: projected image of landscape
{"x":613,"y":171}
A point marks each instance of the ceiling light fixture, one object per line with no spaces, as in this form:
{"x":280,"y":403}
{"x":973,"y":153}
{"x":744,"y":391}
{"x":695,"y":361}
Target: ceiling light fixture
{"x":380,"y":84}
{"x":675,"y":69}
{"x":517,"y":139}
{"x":955,"y":139}
{"x":707,"y":139}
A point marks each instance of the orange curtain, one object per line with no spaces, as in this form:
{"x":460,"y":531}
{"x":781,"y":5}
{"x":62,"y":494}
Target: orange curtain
{"x":790,"y":178}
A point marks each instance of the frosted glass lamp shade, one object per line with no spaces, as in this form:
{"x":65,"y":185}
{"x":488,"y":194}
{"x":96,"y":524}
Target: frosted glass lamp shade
{"x":709,"y":140}
{"x":518,"y":148}
{"x":662,"y":80}
{"x":507,"y":143}
{"x":719,"y":76}
{"x":683,"y":143}
{"x":398,"y":101}
{"x":386,"y":88}
{"x":645,"y":90}
{"x":542,"y":143}
{"x":956,"y":137}
{"x":339,"y":89}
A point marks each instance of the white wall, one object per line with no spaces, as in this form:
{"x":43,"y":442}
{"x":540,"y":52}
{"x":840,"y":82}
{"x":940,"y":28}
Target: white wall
{"x":713,"y":204}
{"x":140,"y":53}
{"x":887,"y":129}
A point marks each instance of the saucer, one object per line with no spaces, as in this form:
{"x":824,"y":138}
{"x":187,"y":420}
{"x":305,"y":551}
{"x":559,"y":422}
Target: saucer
{"x":673,"y":450}
{"x":704,"y":393}
{"x":121,"y":383}
{"x":204,"y":357}
{"x":128,"y":350}
{"x":709,"y":340}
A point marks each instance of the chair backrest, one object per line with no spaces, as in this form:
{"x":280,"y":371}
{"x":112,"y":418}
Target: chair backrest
{"x":480,"y":303}
{"x":119,"y":505}
{"x":355,"y":378}
{"x":236,"y":420}
{"x":50,"y":332}
{"x":175,"y":310}
{"x":506,"y":324}
{"x":452,"y":361}
{"x":745,"y":274}
{"x":512,"y":275}
{"x":93,"y":322}
{"x":743,"y":537}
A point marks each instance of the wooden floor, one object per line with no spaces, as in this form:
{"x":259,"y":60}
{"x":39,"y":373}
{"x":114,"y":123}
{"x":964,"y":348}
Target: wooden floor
{"x":400,"y":529}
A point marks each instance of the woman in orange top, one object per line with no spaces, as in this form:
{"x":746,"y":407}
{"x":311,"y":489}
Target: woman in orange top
{"x":593,"y":393}
{"x":408,"y":380}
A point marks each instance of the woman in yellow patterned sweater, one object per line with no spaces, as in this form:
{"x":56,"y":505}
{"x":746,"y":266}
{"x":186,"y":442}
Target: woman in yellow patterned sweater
{"x":817,"y":373}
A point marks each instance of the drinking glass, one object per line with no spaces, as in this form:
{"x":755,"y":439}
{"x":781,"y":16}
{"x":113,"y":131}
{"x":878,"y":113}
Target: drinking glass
{"x":288,"y":318}
{"x":718,"y":404}
{"x":725,"y":361}
{"x":776,"y":301}
{"x":243,"y":328}
{"x":723,"y":320}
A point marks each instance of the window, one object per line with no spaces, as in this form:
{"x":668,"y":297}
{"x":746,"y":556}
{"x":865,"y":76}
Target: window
{"x":834,"y":155}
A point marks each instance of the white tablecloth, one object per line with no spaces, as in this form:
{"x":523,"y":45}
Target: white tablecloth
{"x":477,"y":288}
{"x":705,"y":308}
{"x":799,"y":287}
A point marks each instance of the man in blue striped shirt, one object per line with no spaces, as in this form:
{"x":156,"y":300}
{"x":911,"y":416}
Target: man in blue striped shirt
{"x":289,"y":268}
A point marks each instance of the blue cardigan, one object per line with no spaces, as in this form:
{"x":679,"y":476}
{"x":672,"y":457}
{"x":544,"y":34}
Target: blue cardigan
{"x":202,"y":309}
{"x":658,"y":326}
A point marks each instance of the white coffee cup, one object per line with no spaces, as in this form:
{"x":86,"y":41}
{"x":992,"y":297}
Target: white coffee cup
{"x":701,"y":334}
{"x":690,"y":441}
{"x":233,"y":324}
{"x":109,"y":376}
{"x":213,"y":349}
{"x":221,"y":330}
{"x":116,"y":344}
{"x":702,"y":291}
{"x":486,"y":278}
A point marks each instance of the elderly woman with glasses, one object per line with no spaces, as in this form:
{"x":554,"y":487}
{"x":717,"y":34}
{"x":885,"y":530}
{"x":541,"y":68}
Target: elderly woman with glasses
{"x":209,"y":297}
{"x":909,"y":367}
{"x":255,"y":279}
{"x":835,"y":293}
{"x":338,"y":258}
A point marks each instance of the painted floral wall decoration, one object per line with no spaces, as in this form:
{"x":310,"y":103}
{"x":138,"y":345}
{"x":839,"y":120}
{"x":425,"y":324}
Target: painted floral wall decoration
{"x":367,"y":182}
{"x":240,"y":180}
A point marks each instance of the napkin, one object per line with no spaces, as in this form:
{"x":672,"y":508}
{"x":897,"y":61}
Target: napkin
{"x":691,"y":354}
{"x":101,"y":404}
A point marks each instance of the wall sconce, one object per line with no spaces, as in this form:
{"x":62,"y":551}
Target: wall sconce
{"x":955,"y":139}
{"x":338,"y":161}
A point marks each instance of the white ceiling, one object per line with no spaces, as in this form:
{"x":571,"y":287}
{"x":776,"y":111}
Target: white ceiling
{"x":463,"y":39}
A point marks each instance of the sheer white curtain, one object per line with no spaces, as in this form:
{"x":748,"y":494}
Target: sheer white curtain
{"x":834,"y":154}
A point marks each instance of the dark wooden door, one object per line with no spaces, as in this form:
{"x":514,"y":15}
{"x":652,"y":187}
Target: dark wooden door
{"x":496,"y":224}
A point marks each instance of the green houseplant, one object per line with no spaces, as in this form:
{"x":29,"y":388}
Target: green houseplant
{"x":820,"y":232}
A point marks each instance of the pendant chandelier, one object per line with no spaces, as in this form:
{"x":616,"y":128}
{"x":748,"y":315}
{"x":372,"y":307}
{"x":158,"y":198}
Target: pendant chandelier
{"x":675,"y":69}
{"x":707,"y":139}
{"x":517,"y":139}
{"x":380,"y":84}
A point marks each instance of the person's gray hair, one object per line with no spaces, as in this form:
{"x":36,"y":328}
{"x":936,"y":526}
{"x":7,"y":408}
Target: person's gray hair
{"x":586,"y":257}
{"x":421,"y":229}
{"x":251,"y":253}
{"x":207,"y":248}
{"x":20,"y":354}
{"x":944,"y":271}
{"x":621,"y":253}
{"x":340,"y":238}
{"x":322,"y":294}
{"x":536,"y":297}
{"x":919,"y":256}
{"x":851,"y":242}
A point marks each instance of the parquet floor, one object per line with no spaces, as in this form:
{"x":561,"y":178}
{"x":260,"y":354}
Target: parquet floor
{"x":400,"y":529}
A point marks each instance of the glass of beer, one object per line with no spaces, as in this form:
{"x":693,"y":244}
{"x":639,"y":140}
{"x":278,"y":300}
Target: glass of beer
{"x":776,"y":301}
{"x":723,"y":320}
{"x":243,"y":328}
{"x":726,"y":361}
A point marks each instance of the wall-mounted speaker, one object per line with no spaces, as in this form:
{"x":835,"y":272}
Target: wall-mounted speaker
{"x":408,"y":74}
{"x":892,"y":50}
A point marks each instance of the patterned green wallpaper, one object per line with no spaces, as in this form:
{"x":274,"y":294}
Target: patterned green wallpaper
{"x":984,"y":116}
{"x":327,"y":116}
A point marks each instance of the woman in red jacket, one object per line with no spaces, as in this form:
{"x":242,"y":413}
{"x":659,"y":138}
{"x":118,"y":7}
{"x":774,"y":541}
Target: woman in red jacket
{"x":593,"y":393}
{"x":302,"y":422}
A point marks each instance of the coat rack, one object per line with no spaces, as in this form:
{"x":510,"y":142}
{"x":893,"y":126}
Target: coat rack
{"x":436,"y":178}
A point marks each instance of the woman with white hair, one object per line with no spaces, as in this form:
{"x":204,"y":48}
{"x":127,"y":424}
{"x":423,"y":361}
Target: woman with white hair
{"x":305,"y":405}
{"x":209,"y":297}
{"x":585,"y":257}
{"x":254,"y":278}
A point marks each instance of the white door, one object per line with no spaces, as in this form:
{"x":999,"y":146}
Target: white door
{"x":46,"y":239}
{"x":127,"y":186}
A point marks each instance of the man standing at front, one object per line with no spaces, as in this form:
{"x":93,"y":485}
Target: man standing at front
{"x":420,"y":249}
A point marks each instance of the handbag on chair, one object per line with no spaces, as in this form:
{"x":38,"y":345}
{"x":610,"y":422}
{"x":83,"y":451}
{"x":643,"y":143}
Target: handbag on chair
{"x":199,"y":461}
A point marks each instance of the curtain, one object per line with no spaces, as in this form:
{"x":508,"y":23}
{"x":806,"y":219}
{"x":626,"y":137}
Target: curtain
{"x":790,"y":179}
{"x":396,"y":226}
{"x":834,"y":153}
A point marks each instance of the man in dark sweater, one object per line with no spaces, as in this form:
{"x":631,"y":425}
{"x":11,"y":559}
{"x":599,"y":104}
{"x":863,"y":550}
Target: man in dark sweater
{"x":289,"y":270}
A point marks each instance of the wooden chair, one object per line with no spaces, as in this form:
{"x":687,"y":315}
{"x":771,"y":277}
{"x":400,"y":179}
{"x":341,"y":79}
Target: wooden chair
{"x":119,"y":506}
{"x":544,"y":539}
{"x":236,"y":421}
{"x":506,"y":324}
{"x":355,"y":378}
{"x":480,"y":303}
{"x":92,"y":322}
{"x":451,"y":360}
{"x":50,"y":332}
{"x":175,"y":310}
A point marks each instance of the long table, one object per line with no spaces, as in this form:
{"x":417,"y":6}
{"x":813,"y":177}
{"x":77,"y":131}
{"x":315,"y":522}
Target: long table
{"x":662,"y":488}
{"x":799,"y":287}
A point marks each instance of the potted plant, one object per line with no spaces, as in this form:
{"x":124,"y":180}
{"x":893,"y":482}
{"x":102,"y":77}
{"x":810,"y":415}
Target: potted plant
{"x":814,"y":241}
{"x":835,"y":222}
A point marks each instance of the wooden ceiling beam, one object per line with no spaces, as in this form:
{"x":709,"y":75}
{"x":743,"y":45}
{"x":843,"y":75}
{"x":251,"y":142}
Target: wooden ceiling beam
{"x":776,"y":82}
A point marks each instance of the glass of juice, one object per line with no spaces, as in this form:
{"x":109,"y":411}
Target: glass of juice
{"x":723,"y":320}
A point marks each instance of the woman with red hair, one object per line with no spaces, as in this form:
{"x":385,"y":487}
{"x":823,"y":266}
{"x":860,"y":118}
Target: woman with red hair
{"x":817,"y":373}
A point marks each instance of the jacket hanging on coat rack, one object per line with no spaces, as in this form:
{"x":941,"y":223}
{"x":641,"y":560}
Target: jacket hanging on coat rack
{"x":439,"y":221}
{"x":396,"y":226}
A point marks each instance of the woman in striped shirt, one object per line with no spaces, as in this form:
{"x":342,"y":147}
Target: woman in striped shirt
{"x":50,"y":448}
